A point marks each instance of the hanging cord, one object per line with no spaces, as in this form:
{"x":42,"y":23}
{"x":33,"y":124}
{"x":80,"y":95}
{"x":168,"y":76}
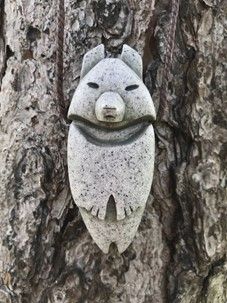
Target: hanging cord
{"x":167,"y":64}
{"x":60,"y":58}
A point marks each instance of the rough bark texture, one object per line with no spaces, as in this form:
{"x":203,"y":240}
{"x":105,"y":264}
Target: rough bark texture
{"x":179,"y":253}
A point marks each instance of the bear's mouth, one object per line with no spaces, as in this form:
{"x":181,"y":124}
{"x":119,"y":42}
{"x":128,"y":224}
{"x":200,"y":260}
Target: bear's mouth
{"x":110,"y":133}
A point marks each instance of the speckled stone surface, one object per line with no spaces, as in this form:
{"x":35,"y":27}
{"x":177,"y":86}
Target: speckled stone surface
{"x":106,"y":232}
{"x":111,"y":146}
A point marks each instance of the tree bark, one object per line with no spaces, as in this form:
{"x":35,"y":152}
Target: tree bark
{"x":179,"y":253}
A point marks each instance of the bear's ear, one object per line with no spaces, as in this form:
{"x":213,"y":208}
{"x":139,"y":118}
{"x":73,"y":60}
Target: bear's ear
{"x":132,"y":59}
{"x":91,"y":58}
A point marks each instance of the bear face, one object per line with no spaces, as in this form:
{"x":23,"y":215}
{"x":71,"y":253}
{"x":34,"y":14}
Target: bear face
{"x":112,"y":95}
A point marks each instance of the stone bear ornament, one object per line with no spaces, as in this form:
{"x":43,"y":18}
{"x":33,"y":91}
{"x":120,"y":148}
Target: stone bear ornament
{"x":111,"y":146}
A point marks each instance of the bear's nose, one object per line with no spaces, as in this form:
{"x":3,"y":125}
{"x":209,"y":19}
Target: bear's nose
{"x":110,"y":107}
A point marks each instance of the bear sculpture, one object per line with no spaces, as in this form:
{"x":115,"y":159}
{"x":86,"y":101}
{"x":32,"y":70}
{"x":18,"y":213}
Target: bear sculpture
{"x":111,"y":146}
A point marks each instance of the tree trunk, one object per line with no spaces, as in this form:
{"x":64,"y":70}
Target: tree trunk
{"x":179,"y":253}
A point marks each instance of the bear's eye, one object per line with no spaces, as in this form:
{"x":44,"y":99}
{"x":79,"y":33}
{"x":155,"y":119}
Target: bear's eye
{"x":131,"y":87}
{"x":93,"y":85}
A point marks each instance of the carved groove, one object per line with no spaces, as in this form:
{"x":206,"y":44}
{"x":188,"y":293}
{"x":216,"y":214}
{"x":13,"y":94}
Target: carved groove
{"x":111,"y":210}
